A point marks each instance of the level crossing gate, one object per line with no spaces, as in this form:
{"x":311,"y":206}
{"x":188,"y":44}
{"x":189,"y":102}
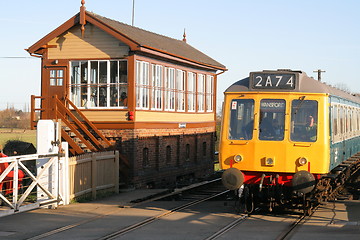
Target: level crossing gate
{"x":31,"y":181}
{"x":27,"y":190}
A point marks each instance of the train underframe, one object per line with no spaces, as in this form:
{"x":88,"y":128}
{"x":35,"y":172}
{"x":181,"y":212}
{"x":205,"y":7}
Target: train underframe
{"x":302,"y":190}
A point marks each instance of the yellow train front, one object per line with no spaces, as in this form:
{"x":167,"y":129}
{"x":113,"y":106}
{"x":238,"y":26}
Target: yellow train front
{"x":275,"y":139}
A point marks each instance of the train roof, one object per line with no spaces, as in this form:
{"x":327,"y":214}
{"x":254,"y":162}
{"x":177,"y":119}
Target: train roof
{"x":267,"y":80}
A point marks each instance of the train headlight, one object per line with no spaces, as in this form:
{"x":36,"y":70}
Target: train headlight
{"x":269,"y":161}
{"x":238,"y":158}
{"x":302,"y":161}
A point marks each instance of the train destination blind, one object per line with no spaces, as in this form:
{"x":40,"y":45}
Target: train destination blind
{"x":273,"y":80}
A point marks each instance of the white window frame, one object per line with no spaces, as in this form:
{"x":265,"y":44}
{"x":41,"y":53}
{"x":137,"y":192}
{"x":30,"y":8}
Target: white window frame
{"x":180,"y":87}
{"x":86,"y":94}
{"x":170,"y":89}
{"x":209,"y":93}
{"x":157,"y":87}
{"x":191,"y":91}
{"x":142,"y":85}
{"x":200,"y":92}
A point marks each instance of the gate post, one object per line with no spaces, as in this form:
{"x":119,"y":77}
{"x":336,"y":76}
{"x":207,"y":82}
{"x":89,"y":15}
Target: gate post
{"x":64,"y":180}
{"x":47,"y":141}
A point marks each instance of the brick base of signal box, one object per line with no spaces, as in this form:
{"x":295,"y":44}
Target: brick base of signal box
{"x":164,"y":158}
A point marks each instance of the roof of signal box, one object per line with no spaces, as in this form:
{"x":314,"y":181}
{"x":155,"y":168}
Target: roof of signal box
{"x":139,"y":39}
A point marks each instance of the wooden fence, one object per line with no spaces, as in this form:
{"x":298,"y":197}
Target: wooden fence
{"x":93,"y":172}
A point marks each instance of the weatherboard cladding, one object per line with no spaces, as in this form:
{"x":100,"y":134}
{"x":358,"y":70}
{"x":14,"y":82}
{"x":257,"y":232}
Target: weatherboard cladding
{"x":156,"y":41}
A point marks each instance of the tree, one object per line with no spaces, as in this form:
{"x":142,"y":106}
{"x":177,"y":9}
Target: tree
{"x":12,"y":118}
{"x":343,"y":87}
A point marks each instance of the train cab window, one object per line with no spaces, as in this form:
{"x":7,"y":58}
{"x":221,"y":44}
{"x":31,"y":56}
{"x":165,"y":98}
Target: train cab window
{"x":272,"y":119}
{"x":241,"y":119}
{"x":304,"y":115}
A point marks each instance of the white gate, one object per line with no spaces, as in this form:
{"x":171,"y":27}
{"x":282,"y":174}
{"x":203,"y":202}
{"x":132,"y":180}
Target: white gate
{"x":31,"y":181}
{"x":23,"y":188}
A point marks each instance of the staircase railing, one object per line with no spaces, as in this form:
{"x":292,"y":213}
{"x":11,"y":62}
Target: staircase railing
{"x":81,"y":134}
{"x":79,"y":124}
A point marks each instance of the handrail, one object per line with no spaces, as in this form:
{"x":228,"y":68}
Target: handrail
{"x":78,"y":123}
{"x":78,"y":134}
{"x":88,"y":122}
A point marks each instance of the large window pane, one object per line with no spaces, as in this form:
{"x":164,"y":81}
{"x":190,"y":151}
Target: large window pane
{"x":209,"y":93}
{"x":142,"y":85}
{"x":304,"y":115}
{"x":123,"y":84}
{"x":191,"y":88}
{"x":75,"y":83}
{"x":170,"y":89}
{"x":200,"y":92}
{"x":241,"y":119}
{"x":84,"y":86}
{"x":157,"y":87}
{"x":106,"y":85}
{"x":180,"y":81}
{"x":272,"y":119}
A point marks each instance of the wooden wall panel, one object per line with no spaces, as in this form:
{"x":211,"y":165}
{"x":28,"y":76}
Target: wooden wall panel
{"x":96,"y":44}
{"x":105,"y":116}
{"x":142,"y":116}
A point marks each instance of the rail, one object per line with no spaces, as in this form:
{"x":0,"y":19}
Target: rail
{"x":149,"y":220}
{"x":298,"y":222}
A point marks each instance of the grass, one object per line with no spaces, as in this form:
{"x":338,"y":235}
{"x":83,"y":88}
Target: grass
{"x":17,"y":134}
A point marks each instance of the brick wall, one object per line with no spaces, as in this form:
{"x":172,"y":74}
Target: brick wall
{"x":164,"y":157}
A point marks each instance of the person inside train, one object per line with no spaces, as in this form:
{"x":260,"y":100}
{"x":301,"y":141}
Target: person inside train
{"x":310,"y":127}
{"x":248,"y":130}
{"x":267,"y":130}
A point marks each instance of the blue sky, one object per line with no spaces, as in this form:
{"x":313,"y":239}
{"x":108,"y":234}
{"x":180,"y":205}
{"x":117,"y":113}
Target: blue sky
{"x":243,"y":35}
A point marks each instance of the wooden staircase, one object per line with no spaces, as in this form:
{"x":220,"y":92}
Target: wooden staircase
{"x":81,"y":134}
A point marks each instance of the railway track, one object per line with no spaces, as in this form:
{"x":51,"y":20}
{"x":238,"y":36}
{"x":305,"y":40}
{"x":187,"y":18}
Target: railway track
{"x":155,"y":218}
{"x":229,"y":227}
{"x":286,"y":234}
{"x":177,"y":213}
{"x":195,"y":193}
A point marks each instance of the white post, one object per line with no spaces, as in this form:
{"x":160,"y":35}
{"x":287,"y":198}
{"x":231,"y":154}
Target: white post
{"x":47,"y":137}
{"x":47,"y":140}
{"x":64,"y":175}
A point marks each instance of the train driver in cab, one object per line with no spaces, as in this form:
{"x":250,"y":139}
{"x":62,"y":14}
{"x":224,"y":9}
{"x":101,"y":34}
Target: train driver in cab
{"x":310,"y":128}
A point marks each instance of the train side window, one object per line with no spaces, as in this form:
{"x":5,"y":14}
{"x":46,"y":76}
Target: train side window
{"x":334,"y":119}
{"x":241,"y":119}
{"x":304,"y":116}
{"x":272,"y":119}
{"x":341,"y":115}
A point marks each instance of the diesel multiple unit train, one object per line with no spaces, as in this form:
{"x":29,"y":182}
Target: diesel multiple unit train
{"x":287,"y":139}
